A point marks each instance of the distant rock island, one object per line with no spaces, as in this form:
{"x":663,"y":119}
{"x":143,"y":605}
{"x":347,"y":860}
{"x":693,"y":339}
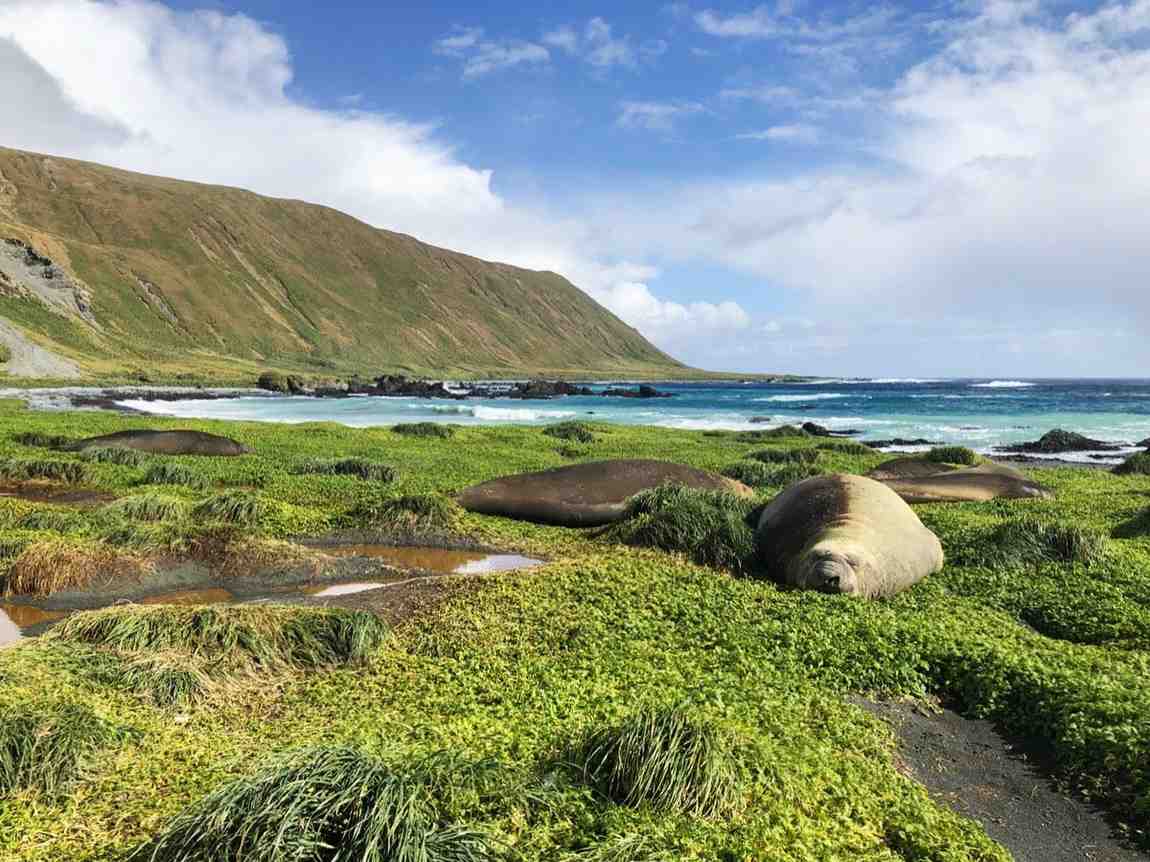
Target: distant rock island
{"x":394,"y":385}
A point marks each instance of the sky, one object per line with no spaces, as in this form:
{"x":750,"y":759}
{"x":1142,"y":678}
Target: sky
{"x":839,"y":188}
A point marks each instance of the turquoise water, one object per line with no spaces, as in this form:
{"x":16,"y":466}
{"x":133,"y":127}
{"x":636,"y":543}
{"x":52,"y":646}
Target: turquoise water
{"x":981,"y":414}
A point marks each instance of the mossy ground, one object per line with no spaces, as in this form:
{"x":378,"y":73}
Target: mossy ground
{"x":516,"y":667}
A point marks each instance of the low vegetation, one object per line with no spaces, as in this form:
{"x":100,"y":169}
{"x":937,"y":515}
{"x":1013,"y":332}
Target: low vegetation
{"x":240,"y":508}
{"x":409,"y":515}
{"x":952,"y":455}
{"x":361,"y":468}
{"x":576,"y":432}
{"x":664,"y":758}
{"x":121,"y":455}
{"x":172,"y":473}
{"x":783,"y":432}
{"x":166,"y":679}
{"x":56,"y":565}
{"x":40,"y":440}
{"x":1137,"y":464}
{"x":48,"y":747}
{"x":424,"y":429}
{"x":1029,"y":540}
{"x":149,"y":507}
{"x":845,"y":447}
{"x":20,"y":470}
{"x":786,"y":456}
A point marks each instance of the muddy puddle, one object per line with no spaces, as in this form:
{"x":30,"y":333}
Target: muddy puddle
{"x":370,"y":567}
{"x":82,"y":498}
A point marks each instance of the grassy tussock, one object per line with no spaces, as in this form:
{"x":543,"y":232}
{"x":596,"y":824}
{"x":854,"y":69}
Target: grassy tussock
{"x":661,"y":758}
{"x":119,"y":455}
{"x":240,"y":508}
{"x":783,"y":432}
{"x":410,"y":514}
{"x":322,"y":804}
{"x":952,"y":455}
{"x":48,"y":747}
{"x":269,"y":636}
{"x":846,"y":447}
{"x":785,"y":456}
{"x":56,"y":565}
{"x":568,"y":451}
{"x":169,"y":473}
{"x":39,"y":440}
{"x":21,"y":470}
{"x":575,"y":432}
{"x":359,"y":467}
{"x":1030,"y":541}
{"x":753,"y":473}
{"x":424,"y":429}
{"x":165,"y":679}
{"x":1136,"y":465}
{"x":149,"y":507}
{"x":52,"y":521}
{"x":709,"y":526}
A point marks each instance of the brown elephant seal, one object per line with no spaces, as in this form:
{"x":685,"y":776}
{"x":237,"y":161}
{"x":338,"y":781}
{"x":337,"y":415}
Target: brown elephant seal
{"x":845,"y":534}
{"x":164,"y":443}
{"x":971,"y":484}
{"x":585,"y":495}
{"x":908,"y":468}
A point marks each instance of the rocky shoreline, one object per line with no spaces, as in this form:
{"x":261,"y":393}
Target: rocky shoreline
{"x":399,"y":386}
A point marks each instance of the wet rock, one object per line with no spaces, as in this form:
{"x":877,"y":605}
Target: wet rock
{"x":1057,"y":441}
{"x":643,"y":391}
{"x":816,"y":430}
{"x":758,"y":420}
{"x":899,"y":441}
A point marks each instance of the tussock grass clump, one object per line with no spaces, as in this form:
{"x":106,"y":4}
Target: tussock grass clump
{"x":358,"y":467}
{"x":1136,"y":465}
{"x":424,"y":429}
{"x":846,"y":447}
{"x":575,"y":432}
{"x":789,"y":474}
{"x":664,"y":758}
{"x":120,"y":455}
{"x":149,"y":507}
{"x":166,"y":679}
{"x":952,"y":455}
{"x":267,"y":635}
{"x":753,"y":473}
{"x":39,"y":440}
{"x":781,"y":433}
{"x":15,"y":470}
{"x":330,"y":804}
{"x":568,"y":451}
{"x":409,"y":514}
{"x":55,"y":565}
{"x":52,"y":521}
{"x":709,"y":526}
{"x":241,"y":508}
{"x":169,"y":473}
{"x":48,"y":747}
{"x":786,"y":456}
{"x":1029,"y":540}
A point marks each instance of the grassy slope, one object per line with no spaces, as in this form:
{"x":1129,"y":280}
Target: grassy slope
{"x":514,"y":670}
{"x":256,"y":282}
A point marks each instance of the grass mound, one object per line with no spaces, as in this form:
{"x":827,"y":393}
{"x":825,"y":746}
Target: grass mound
{"x":52,"y":521}
{"x":328,"y":804}
{"x":149,"y":507}
{"x":267,"y":635}
{"x":662,"y":758}
{"x":846,"y":447}
{"x":168,"y":473}
{"x":753,"y":473}
{"x":786,"y":456}
{"x":952,"y":455}
{"x":568,"y":451}
{"x":409,"y":514}
{"x":358,"y":467}
{"x":424,"y":429}
{"x":781,"y":433}
{"x":1136,"y":465}
{"x":575,"y":432}
{"x":709,"y":526}
{"x":40,"y":440}
{"x":166,"y":679}
{"x":120,"y":455}
{"x":49,"y":746}
{"x":240,"y":508}
{"x":47,"y":567}
{"x":1030,"y":541}
{"x":15,"y":470}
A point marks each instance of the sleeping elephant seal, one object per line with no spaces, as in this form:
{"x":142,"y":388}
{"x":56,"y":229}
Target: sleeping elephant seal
{"x":845,"y":534}
{"x":585,"y":495}
{"x":972,"y":484}
{"x":164,"y":443}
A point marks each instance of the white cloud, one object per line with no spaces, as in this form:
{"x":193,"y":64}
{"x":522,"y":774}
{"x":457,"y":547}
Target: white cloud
{"x":202,"y":96}
{"x":799,"y":133}
{"x":655,"y":116}
{"x":597,"y":45}
{"x":482,"y":56}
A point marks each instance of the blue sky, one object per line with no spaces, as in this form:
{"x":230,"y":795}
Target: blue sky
{"x":831,"y":188}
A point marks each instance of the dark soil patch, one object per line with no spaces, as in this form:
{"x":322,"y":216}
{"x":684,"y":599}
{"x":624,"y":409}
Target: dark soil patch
{"x":39,"y":492}
{"x":971,"y":768}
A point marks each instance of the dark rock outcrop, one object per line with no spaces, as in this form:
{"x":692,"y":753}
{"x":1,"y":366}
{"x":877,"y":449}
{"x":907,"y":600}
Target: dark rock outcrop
{"x":899,"y":441}
{"x":1057,"y":441}
{"x":816,"y":430}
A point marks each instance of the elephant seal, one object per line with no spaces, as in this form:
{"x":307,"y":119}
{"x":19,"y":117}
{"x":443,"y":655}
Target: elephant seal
{"x":908,"y":468}
{"x":164,"y":443}
{"x":971,"y":484}
{"x":585,"y":495}
{"x":845,"y":534}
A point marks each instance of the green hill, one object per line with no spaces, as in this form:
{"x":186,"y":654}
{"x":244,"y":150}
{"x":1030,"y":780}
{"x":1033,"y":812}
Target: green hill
{"x":106,"y":272}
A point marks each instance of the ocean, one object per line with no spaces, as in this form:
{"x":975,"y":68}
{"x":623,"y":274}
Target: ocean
{"x":982,"y":414}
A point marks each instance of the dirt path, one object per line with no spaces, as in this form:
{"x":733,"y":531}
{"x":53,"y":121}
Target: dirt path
{"x":971,"y":768}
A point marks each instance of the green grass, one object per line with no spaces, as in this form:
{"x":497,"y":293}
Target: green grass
{"x":265,"y":635}
{"x":709,"y":526}
{"x":24,"y":469}
{"x":952,"y":455}
{"x":114,"y":455}
{"x":424,"y":429}
{"x":576,"y":432}
{"x":1028,"y":540}
{"x":164,"y":679}
{"x":1137,"y":464}
{"x":783,"y":432}
{"x":361,"y":468}
{"x":411,"y":514}
{"x":786,"y":456}
{"x":664,"y":758}
{"x":753,"y":473}
{"x":241,"y":508}
{"x":48,"y":747}
{"x":334,"y":804}
{"x":149,"y":507}
{"x":171,"y":473}
{"x":845,"y":447}
{"x":58,"y":564}
{"x":40,"y":440}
